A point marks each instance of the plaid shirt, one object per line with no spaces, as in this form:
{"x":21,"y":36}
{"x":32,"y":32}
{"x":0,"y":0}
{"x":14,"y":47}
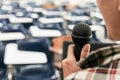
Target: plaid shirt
{"x":109,"y":65}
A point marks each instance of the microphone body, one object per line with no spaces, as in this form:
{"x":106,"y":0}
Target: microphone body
{"x":81,"y":35}
{"x":79,"y":43}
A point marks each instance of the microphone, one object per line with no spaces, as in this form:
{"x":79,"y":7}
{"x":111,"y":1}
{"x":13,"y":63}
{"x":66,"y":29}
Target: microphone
{"x":81,"y":35}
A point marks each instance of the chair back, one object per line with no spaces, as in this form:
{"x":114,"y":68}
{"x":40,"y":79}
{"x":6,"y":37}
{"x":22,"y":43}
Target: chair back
{"x":37,"y":71}
{"x":3,"y":67}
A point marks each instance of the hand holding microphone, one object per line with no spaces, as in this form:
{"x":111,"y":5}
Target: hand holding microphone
{"x":80,"y":37}
{"x":69,"y":64}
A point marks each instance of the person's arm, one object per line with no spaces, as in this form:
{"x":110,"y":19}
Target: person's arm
{"x":110,"y":10}
{"x":69,"y":64}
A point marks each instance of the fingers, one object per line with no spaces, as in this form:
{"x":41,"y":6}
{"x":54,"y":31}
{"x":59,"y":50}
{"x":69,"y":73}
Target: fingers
{"x":70,"y":53}
{"x":85,"y":51}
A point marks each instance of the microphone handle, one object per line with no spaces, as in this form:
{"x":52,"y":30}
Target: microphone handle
{"x":77,"y":52}
{"x":79,"y":43}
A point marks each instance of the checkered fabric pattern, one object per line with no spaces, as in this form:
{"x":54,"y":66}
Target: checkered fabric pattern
{"x":104,"y":65}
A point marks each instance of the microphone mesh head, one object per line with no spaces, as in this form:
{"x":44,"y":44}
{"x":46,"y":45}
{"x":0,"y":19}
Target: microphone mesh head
{"x":82,"y":30}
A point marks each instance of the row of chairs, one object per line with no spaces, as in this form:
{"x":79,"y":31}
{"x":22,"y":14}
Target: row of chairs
{"x":44,"y":71}
{"x":60,"y":47}
{"x":78,"y":11}
{"x":38,"y":71}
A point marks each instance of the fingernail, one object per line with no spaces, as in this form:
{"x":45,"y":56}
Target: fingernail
{"x":87,"y":46}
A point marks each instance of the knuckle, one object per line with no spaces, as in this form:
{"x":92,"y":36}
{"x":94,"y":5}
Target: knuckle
{"x":86,"y":50}
{"x":64,"y":62}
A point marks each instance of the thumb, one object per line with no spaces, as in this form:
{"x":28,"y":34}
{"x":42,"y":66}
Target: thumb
{"x":85,"y":51}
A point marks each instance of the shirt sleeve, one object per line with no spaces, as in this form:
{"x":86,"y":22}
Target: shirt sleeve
{"x":70,"y":77}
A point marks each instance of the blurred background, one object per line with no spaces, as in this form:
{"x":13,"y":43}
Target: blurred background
{"x":35,"y":34}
